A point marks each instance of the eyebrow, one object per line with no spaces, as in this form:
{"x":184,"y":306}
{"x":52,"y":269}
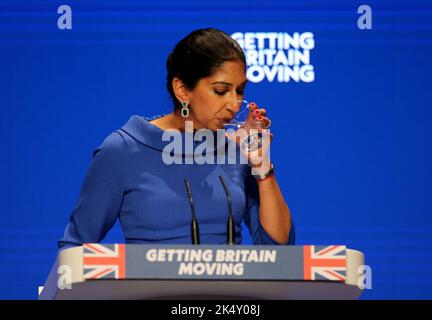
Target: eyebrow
{"x":227,"y":83}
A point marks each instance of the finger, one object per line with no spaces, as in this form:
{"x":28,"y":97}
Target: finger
{"x":253,"y":106}
{"x":260,"y":111}
{"x":263,"y":122}
{"x":252,"y":111}
{"x":230,"y":135}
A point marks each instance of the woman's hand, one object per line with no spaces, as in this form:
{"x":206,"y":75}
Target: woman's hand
{"x":254,"y":139}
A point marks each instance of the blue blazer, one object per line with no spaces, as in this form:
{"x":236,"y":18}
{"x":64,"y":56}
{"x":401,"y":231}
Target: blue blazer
{"x":128,"y":180}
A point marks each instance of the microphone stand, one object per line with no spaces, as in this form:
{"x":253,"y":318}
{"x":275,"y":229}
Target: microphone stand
{"x":230,"y":224}
{"x":194,"y":224}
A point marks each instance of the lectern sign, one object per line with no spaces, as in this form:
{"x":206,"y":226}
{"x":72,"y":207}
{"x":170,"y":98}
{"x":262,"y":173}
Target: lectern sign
{"x":119,"y":261}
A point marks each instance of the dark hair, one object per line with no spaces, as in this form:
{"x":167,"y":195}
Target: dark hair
{"x":198,"y":55}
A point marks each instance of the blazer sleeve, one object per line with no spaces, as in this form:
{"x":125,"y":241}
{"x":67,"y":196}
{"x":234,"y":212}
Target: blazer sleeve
{"x":101,"y":195}
{"x":251,"y":218}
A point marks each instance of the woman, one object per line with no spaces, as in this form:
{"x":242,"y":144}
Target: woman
{"x":129,"y":178}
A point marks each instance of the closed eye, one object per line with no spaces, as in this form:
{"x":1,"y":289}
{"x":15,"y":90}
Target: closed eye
{"x":221,"y":93}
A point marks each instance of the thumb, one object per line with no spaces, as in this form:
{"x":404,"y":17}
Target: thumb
{"x":230,"y":135}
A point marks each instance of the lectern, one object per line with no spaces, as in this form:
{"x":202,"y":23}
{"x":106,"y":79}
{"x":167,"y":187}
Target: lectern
{"x":138,"y":271}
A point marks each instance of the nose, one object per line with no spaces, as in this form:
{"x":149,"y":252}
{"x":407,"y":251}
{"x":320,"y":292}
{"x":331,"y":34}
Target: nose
{"x":234,"y":105}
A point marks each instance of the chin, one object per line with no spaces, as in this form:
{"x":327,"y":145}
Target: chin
{"x":215,"y":125}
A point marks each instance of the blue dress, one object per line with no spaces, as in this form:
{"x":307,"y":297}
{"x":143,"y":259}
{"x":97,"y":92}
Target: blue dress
{"x":129,"y":180}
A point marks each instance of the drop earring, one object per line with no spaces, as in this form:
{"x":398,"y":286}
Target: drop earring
{"x":185,"y":110}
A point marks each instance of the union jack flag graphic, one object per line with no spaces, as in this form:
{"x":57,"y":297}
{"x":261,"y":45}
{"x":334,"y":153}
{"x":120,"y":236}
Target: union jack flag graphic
{"x":104,"y":261}
{"x":324,"y":263}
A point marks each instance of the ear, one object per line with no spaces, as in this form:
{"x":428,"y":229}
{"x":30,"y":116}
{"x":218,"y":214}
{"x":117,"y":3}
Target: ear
{"x":180,"y":90}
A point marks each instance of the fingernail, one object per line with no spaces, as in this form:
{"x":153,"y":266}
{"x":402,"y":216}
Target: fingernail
{"x":258,"y":117}
{"x":256,"y":112}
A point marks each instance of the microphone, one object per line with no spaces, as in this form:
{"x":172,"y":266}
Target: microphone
{"x":230,"y":224}
{"x":194,"y":224}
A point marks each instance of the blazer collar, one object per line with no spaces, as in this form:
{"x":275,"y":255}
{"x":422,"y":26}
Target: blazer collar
{"x":140,"y":129}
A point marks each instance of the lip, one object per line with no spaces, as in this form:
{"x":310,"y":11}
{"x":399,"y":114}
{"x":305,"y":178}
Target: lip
{"x":225,"y":120}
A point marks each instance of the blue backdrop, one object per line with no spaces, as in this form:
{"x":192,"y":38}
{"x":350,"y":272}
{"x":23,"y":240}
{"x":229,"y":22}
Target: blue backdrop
{"x":352,"y":147}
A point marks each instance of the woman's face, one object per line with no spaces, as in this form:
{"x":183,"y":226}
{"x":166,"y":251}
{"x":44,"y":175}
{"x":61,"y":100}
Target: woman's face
{"x":213,"y":100}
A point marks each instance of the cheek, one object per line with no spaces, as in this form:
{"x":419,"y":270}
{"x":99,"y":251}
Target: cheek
{"x":210,"y":109}
{"x":213,"y":121}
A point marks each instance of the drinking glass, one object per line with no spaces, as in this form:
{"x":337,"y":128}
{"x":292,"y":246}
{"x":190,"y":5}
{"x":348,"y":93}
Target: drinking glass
{"x":248,"y":120}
